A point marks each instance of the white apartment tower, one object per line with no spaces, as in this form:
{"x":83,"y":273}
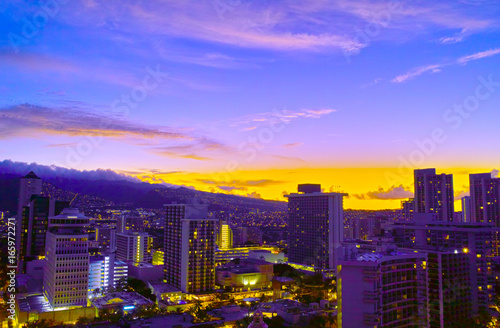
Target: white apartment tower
{"x":189,"y":248}
{"x":66,"y":270}
{"x":132,"y":246}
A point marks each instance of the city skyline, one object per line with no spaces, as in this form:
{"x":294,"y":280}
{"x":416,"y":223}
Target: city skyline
{"x":251,"y":98}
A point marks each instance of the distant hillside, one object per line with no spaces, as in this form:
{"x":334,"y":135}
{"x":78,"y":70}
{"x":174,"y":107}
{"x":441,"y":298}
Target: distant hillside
{"x":135,"y":194}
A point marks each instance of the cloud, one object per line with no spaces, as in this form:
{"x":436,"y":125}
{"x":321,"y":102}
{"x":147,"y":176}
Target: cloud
{"x":262,"y":25}
{"x":38,"y":62}
{"x":29,"y":120}
{"x":293,"y":144}
{"x":494,"y":173}
{"x":277,"y":117}
{"x":229,"y":189}
{"x":192,"y":150}
{"x":451,"y":39}
{"x":478,"y":55}
{"x":417,"y":72}
{"x":52,"y":171}
{"x":243,"y":183}
{"x":392,"y":193}
{"x":213,"y":59}
{"x":254,"y":195}
{"x":437,"y":67}
{"x":69,"y":144}
{"x":148,"y":172}
{"x":462,"y":193}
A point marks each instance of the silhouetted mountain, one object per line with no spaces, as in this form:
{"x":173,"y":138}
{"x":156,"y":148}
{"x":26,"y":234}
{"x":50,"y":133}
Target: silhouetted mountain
{"x":92,"y":188}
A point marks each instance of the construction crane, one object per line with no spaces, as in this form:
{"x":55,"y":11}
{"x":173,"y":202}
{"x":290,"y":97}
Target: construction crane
{"x":71,"y":202}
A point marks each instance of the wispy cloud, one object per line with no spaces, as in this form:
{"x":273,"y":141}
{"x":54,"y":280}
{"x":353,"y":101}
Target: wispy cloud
{"x":29,"y":120}
{"x":417,"y":72}
{"x":478,"y":55}
{"x":148,"y":172}
{"x":69,"y":144}
{"x":214,"y":60}
{"x":436,"y":68}
{"x":293,"y":144}
{"x":196,"y":149}
{"x":284,"y":116}
{"x":243,"y":183}
{"x":451,"y":39}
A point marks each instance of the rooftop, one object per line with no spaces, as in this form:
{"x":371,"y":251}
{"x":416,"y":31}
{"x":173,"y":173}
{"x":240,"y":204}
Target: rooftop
{"x":128,"y":298}
{"x":31,"y":175}
{"x":34,"y":303}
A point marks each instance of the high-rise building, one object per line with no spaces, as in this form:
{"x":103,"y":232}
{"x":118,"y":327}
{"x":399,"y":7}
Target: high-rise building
{"x":254,"y":235}
{"x":382,"y":290}
{"x":106,"y":237}
{"x":66,"y":272}
{"x":474,"y":240}
{"x":466,"y":209}
{"x":132,"y":246}
{"x":121,"y":224}
{"x":224,"y":236}
{"x":31,"y":185}
{"x":240,"y":236}
{"x":316,"y":226}
{"x":485,"y":198}
{"x":189,"y":248}
{"x":407,"y":209}
{"x":449,"y":289}
{"x":33,"y":227}
{"x":434,"y":194}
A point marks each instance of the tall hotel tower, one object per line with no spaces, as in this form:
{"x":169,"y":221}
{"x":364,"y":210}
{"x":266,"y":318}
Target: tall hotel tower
{"x":434,"y":194}
{"x":316,"y":227}
{"x":66,"y":272}
{"x":189,"y":248}
{"x":485,"y":198}
{"x":31,"y":185}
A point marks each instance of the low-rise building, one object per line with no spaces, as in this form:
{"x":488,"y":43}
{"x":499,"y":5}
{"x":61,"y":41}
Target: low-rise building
{"x":245,"y":274}
{"x":126,"y":301}
{"x":165,"y":292}
{"x":36,"y":307}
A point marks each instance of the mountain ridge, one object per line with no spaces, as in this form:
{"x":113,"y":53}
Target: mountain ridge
{"x":133,"y":192}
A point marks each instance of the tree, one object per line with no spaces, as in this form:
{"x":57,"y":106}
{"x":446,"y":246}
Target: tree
{"x":141,"y":288}
{"x":284,"y":270}
{"x":275,"y":322}
{"x":317,"y":322}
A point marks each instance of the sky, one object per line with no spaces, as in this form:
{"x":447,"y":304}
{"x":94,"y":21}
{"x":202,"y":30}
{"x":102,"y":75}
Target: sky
{"x":254,"y":97}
